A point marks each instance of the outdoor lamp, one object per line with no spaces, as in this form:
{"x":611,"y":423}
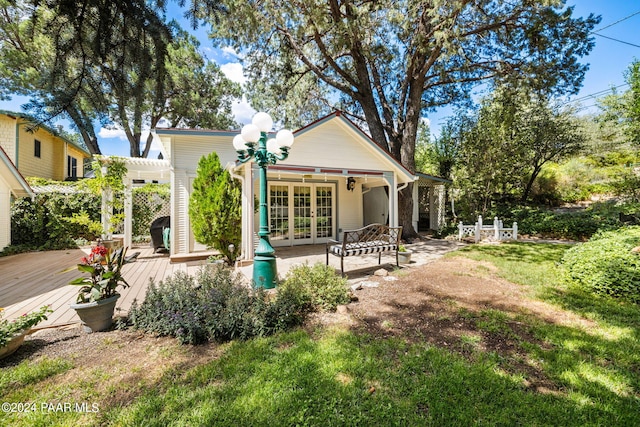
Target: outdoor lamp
{"x":266,"y":152}
{"x":351,"y":183}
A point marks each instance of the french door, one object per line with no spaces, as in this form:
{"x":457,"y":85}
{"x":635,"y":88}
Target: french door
{"x":301,"y":213}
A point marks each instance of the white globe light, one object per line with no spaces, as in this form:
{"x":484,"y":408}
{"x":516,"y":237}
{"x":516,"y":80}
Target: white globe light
{"x":239,"y":143}
{"x":284,"y":138}
{"x":250,"y":133}
{"x":273,"y":146}
{"x":263,"y":121}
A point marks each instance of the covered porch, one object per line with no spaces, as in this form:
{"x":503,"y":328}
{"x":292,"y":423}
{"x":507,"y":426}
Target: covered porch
{"x":310,"y":205}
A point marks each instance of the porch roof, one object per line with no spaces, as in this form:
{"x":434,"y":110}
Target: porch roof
{"x":433,"y":178}
{"x":9,"y":172}
{"x":142,"y":168}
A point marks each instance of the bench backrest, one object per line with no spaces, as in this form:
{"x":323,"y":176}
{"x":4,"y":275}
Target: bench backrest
{"x":372,"y":234}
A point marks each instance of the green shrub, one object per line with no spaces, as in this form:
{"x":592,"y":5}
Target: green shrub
{"x":54,"y":220}
{"x":605,"y":265}
{"x":215,"y":207}
{"x":319,"y":284}
{"x":627,"y":186}
{"x":215,"y":306}
{"x":568,"y":225}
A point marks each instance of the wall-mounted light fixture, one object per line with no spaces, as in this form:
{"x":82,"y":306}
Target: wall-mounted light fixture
{"x":351,"y":183}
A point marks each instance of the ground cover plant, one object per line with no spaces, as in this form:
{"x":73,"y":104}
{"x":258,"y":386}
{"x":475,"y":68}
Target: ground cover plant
{"x":217,"y":306}
{"x":578,"y":225}
{"x":607,"y":264}
{"x":486,"y":336}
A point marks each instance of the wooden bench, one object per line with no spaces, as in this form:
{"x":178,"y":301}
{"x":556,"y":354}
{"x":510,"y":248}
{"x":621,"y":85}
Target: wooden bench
{"x":374,"y":238}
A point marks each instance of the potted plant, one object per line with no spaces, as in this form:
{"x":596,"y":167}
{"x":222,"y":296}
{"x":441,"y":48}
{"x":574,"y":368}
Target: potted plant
{"x":98,"y":294}
{"x":404,"y":255}
{"x":12,"y":333}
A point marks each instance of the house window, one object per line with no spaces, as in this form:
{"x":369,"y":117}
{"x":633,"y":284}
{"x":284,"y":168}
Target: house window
{"x":36,"y":148}
{"x":72,"y":167}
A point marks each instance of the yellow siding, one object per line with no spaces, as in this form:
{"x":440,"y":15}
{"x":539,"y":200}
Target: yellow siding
{"x":50,"y":164}
{"x":79,"y":156}
{"x":8,"y":136}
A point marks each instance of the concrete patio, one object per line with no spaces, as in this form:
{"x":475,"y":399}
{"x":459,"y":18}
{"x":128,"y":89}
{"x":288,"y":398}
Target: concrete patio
{"x":29,"y":281}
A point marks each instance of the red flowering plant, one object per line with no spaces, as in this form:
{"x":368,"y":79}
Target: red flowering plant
{"x":105,"y":270}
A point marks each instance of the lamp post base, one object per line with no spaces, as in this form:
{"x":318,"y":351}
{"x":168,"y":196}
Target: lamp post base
{"x":265,"y":273}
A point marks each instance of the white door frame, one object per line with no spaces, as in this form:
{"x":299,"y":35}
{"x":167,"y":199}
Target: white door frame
{"x":286,"y":207}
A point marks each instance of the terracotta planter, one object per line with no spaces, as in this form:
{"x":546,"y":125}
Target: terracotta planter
{"x":13,"y":344}
{"x":404,"y":257}
{"x":97,"y":316}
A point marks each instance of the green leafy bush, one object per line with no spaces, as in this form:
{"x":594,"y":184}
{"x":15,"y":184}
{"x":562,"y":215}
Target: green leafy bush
{"x":568,"y":225}
{"x":606,"y":265}
{"x":319,"y":284}
{"x":216,"y":306}
{"x":215,"y":207}
{"x":54,"y":221}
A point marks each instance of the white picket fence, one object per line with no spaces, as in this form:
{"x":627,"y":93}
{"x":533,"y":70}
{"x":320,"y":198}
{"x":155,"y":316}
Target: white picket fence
{"x":496,"y":231}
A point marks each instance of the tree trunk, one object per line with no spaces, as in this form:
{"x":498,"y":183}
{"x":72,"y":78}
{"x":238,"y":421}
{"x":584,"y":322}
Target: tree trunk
{"x":527,"y":190}
{"x":147,"y":146}
{"x":84,"y":125}
{"x":405,"y":213}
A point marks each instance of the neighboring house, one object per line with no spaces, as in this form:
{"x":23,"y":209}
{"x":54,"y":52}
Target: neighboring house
{"x":41,"y":152}
{"x":12,"y":184}
{"x":336,"y":178}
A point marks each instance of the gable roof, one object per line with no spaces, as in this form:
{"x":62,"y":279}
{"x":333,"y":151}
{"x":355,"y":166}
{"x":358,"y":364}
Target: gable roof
{"x":9,"y":173}
{"x":364,"y":136}
{"x":336,"y":115}
{"x":52,"y":131}
{"x":433,"y":178}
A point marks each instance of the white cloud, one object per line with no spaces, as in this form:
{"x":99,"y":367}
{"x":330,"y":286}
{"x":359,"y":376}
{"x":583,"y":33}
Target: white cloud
{"x":119,"y":134}
{"x":229,"y":51}
{"x":112,"y":133}
{"x":242,"y":111}
{"x":233,"y":71}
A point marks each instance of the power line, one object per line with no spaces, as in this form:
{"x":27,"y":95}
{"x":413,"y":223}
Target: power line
{"x":594,"y":94}
{"x":617,"y":22}
{"x":616,"y":40}
{"x":596,"y":32}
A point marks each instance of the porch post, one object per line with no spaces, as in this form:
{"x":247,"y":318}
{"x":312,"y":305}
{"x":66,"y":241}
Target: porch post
{"x":394,"y":223}
{"x":416,"y":205}
{"x":128,"y":212}
{"x":107,"y":211}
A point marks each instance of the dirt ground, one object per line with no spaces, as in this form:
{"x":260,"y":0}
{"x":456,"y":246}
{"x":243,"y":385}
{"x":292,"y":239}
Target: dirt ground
{"x":438,"y":303}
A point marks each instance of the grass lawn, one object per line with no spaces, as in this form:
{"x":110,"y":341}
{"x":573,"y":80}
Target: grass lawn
{"x":335,"y":375}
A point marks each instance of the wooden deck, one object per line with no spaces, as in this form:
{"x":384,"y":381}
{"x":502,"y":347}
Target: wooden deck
{"x":29,"y":281}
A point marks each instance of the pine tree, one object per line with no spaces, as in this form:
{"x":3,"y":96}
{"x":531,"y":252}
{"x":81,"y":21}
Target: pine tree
{"x":215,"y":207}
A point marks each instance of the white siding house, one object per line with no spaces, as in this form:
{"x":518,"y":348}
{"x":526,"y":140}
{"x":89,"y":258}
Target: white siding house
{"x":12,"y":184}
{"x":308,"y":197}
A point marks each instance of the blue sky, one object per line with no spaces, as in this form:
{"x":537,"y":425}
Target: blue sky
{"x":608,"y":61}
